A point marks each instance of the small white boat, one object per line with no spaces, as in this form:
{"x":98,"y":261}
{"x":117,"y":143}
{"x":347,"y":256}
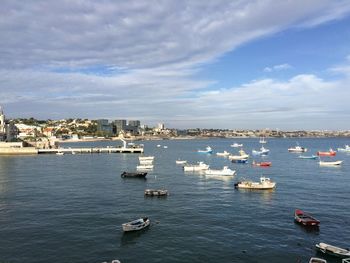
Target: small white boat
{"x":158,"y":145}
{"x":242,"y":156}
{"x":60,"y":153}
{"x":346,"y":149}
{"x":208,"y":149}
{"x":262,"y":140}
{"x":264,"y":184}
{"x":146,"y":161}
{"x":137,"y":224}
{"x":335,"y":163}
{"x":196,"y":167}
{"x":180,"y":162}
{"x":146,"y":158}
{"x":144,"y":167}
{"x":297,"y":149}
{"x":158,"y":192}
{"x":224,"y":172}
{"x":113,"y":261}
{"x":225,"y":153}
{"x":263,"y":151}
{"x":236,"y":145}
{"x":165,"y":147}
{"x":317,"y":260}
{"x":333,"y":250}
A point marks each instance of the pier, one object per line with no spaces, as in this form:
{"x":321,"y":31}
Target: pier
{"x":92,"y":150}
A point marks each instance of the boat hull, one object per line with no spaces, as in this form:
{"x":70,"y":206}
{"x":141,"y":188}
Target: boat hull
{"x":305,"y":219}
{"x":136,"y":225}
{"x":333,"y":250}
{"x":133,"y":175}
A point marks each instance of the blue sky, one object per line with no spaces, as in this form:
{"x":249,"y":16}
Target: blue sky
{"x":221,"y":64}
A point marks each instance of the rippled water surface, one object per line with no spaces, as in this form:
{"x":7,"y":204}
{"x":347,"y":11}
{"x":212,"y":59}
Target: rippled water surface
{"x":70,"y":208}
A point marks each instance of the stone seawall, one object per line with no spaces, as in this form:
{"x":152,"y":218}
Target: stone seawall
{"x":18,"y":151}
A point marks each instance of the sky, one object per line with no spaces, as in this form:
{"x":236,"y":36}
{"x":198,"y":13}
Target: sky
{"x":188,"y":64}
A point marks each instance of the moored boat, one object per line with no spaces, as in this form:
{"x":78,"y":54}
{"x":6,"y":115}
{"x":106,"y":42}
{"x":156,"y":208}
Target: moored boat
{"x":137,"y":224}
{"x":304,"y":218}
{"x":333,"y":250}
{"x":239,"y":160}
{"x":264,"y":184}
{"x":345,"y":149}
{"x":142,"y":158}
{"x":297,"y":149}
{"x":144,"y":167}
{"x":329,"y":153}
{"x":317,"y":260}
{"x":154,"y":192}
{"x":242,"y":156}
{"x":263,"y":151}
{"x":133,"y":174}
{"x":146,"y":161}
{"x":196,"y":167}
{"x":313,"y":157}
{"x":113,"y":261}
{"x":262,"y":164}
{"x":262,"y":140}
{"x":208,"y":149}
{"x":335,"y":163}
{"x":180,"y":162}
{"x":224,"y":172}
{"x":225,"y":153}
{"x":236,"y":145}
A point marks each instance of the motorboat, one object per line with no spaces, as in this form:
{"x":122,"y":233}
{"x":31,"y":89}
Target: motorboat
{"x":224,"y":172}
{"x":304,"y":218}
{"x":333,"y":250}
{"x":262,"y":164}
{"x":208,"y":149}
{"x":60,"y":153}
{"x":133,"y":174}
{"x":158,"y":192}
{"x":335,"y":163}
{"x":146,"y":161}
{"x":236,"y":145}
{"x":180,"y":162}
{"x":224,"y":154}
{"x":313,"y":157}
{"x":196,"y":167}
{"x":264,"y":184}
{"x":142,"y":158}
{"x":329,"y":153}
{"x":317,"y":260}
{"x":239,"y":161}
{"x":144,"y":167}
{"x":137,"y":224}
{"x":297,"y":149}
{"x":345,"y":149}
{"x":263,"y":151}
{"x":242,"y":155}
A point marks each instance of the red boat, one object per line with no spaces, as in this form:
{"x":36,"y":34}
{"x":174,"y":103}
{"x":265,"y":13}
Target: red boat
{"x":305,"y":219}
{"x":264,"y":164}
{"x":329,"y":153}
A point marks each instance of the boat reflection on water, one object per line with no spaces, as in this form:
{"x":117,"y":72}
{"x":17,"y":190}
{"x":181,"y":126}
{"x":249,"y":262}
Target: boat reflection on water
{"x":265,"y":196}
{"x":131,"y":238}
{"x":309,"y":229}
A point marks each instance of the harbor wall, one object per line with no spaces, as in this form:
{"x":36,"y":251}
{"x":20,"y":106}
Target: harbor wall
{"x":18,"y":151}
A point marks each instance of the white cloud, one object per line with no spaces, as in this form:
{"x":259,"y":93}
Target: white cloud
{"x":278,"y":67}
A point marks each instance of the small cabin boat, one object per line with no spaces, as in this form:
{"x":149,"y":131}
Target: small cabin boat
{"x":196,"y":167}
{"x":242,"y":156}
{"x":335,"y":163}
{"x":263,"y":151}
{"x":236,"y":145}
{"x":264,"y":184}
{"x":345,"y":149}
{"x":262,"y":164}
{"x":329,"y":153}
{"x":317,"y":260}
{"x":304,"y":218}
{"x":333,"y":250}
{"x":153,"y":192}
{"x":208,"y":149}
{"x":224,"y":172}
{"x":297,"y":149}
{"x":133,"y":175}
{"x":137,"y":224}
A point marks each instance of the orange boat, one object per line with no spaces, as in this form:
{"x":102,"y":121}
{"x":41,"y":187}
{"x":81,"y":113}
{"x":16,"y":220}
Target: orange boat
{"x":329,"y":153}
{"x":263,"y":164}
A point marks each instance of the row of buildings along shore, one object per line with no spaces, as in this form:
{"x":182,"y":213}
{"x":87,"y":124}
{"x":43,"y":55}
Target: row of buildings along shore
{"x":46,"y":134}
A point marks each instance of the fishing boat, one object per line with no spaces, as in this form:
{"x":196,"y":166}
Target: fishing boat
{"x":335,"y":163}
{"x":329,"y":153}
{"x":133,"y":174}
{"x":263,"y":151}
{"x":304,"y":218}
{"x":146,"y":161}
{"x":317,"y":260}
{"x":144,"y":167}
{"x":242,"y":156}
{"x":333,"y":250}
{"x":180,"y":162}
{"x":313,"y":157}
{"x":224,"y":154}
{"x":264,"y":184}
{"x":196,"y":167}
{"x":142,"y":158}
{"x":297,"y":149}
{"x":158,"y":192}
{"x":137,"y":224}
{"x":262,"y":140}
{"x":236,"y":145}
{"x":208,"y":149}
{"x":345,"y":149}
{"x":240,"y":161}
{"x":262,"y":164}
{"x":224,"y":172}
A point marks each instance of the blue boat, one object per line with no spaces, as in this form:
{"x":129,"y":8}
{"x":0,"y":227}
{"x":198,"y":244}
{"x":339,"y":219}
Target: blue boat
{"x":207,"y":150}
{"x":240,"y":161}
{"x":313,"y":157}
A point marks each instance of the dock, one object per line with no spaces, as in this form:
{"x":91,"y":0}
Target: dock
{"x":92,"y":150}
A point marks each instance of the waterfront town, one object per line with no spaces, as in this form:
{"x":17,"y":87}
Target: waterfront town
{"x":48,"y":133}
